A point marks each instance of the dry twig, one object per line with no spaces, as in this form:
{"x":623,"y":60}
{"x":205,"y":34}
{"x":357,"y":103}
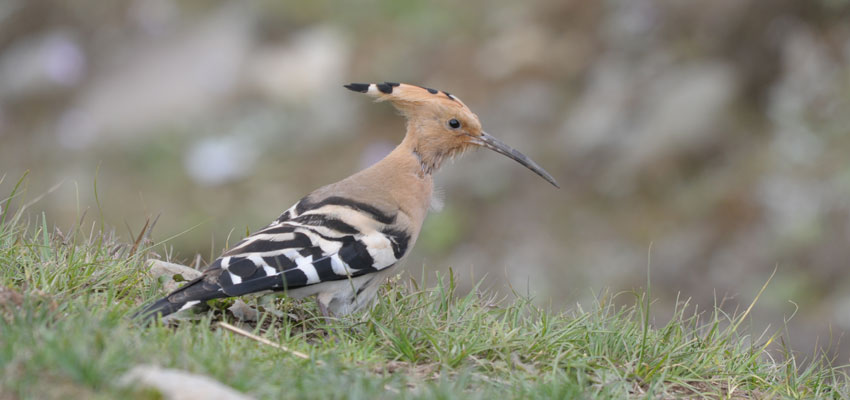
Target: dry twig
{"x":263,"y":340}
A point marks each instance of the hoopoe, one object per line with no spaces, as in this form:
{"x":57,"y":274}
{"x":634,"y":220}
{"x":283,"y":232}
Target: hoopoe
{"x":340,"y":241}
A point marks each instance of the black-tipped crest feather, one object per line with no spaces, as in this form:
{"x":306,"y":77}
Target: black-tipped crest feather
{"x":357,"y":87}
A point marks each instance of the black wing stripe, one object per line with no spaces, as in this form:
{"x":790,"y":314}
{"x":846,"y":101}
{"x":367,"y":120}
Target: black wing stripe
{"x":357,"y":256}
{"x":262,"y":246}
{"x":279,"y":262}
{"x":310,"y":251}
{"x":254,"y":286}
{"x":326,"y":222}
{"x":241,"y":266}
{"x":293,"y":278}
{"x":399,"y":240}
{"x":259,"y":273}
{"x":324,"y":269}
{"x":276,"y":229}
{"x":225,"y":282}
{"x":374,"y":212}
{"x":344,"y":239}
{"x":283,"y":217}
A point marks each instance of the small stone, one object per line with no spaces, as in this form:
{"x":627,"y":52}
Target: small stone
{"x":170,"y":271}
{"x":243,"y":311}
{"x":159,"y":268}
{"x":179,"y":385}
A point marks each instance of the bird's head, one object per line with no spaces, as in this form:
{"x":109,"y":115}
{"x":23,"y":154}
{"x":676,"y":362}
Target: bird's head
{"x":440,"y":126}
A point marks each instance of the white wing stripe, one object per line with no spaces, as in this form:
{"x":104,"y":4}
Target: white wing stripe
{"x":189,"y":304}
{"x":273,"y":237}
{"x":324,"y":229}
{"x":339,"y":267}
{"x":380,"y":249}
{"x":290,"y":253}
{"x":305,"y":264}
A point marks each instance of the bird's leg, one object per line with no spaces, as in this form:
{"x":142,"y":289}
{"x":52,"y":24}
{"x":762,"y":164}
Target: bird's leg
{"x":323,"y":309}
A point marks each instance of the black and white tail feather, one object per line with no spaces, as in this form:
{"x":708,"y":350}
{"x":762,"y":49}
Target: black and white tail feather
{"x":334,"y":247}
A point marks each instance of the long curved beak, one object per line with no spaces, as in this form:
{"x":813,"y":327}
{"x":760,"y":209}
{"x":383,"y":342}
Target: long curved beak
{"x":485,"y":140}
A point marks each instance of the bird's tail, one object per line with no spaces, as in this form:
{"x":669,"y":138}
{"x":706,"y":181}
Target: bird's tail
{"x":189,"y":295}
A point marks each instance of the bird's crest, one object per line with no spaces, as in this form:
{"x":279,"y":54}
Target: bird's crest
{"x":404,"y":96}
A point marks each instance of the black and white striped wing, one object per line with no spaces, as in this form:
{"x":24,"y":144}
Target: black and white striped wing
{"x":310,"y":244}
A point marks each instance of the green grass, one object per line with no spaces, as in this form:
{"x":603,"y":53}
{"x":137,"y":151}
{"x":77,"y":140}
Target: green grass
{"x":65,"y":332}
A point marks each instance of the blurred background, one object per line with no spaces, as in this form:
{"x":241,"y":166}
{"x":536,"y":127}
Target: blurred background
{"x":712,"y":136}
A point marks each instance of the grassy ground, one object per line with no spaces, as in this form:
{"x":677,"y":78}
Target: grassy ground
{"x":65,"y":298}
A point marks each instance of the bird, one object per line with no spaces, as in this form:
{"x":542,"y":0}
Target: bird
{"x":342,"y":240}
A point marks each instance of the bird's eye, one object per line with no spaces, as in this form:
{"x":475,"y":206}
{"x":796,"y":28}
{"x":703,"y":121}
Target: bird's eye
{"x":454,"y":124}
